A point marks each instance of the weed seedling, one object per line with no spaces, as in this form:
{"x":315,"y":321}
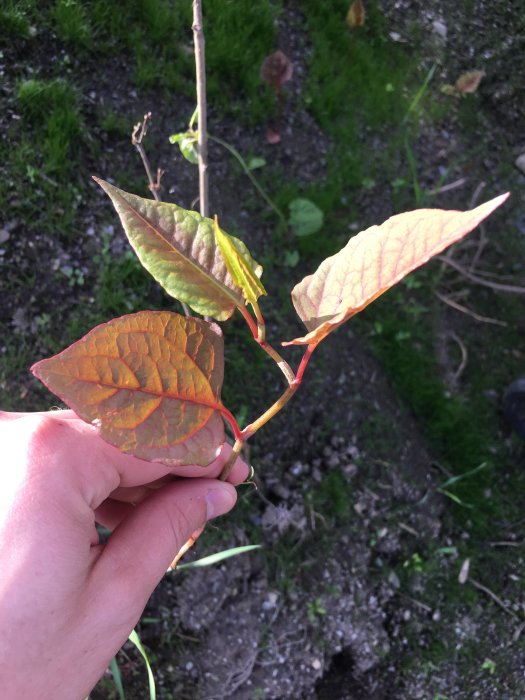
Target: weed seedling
{"x":151,"y":381}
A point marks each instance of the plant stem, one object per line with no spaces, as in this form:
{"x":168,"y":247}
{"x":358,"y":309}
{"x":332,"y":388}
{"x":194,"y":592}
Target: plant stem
{"x":236,"y":451}
{"x":268,"y":349}
{"x":235,"y":153}
{"x":251,"y":429}
{"x":282,"y":400}
{"x":202,"y":140}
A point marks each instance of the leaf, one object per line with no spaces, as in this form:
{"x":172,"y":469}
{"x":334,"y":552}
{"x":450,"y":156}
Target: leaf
{"x":188,"y":145}
{"x":469,"y":82}
{"x":245,"y":276}
{"x":373,"y":261}
{"x":179,"y":249}
{"x":135,"y":639}
{"x":219,"y":556}
{"x":305,"y":217}
{"x":450,"y":90}
{"x":276,"y":69}
{"x":256,"y":162}
{"x":356,"y":14}
{"x":150,"y":382}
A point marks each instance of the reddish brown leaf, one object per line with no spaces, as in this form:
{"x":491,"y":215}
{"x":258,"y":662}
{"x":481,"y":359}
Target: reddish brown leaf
{"x":469,"y":82}
{"x":373,"y":261}
{"x":150,"y":382}
{"x":276,"y":69}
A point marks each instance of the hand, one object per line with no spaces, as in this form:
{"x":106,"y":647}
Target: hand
{"x":68,"y":603}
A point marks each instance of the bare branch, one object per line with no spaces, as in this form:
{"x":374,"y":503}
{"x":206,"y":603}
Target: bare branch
{"x":202,"y":139}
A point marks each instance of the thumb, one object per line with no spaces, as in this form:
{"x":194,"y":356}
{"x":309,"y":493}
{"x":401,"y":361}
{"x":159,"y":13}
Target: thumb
{"x":142,"y":547}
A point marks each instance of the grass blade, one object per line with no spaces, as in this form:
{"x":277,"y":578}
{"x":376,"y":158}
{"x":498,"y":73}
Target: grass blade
{"x":220,"y":556}
{"x":135,"y":639}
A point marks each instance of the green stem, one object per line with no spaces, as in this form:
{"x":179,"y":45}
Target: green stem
{"x":248,"y":172}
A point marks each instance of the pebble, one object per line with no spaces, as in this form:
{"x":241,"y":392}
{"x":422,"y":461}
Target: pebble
{"x":520,"y":162}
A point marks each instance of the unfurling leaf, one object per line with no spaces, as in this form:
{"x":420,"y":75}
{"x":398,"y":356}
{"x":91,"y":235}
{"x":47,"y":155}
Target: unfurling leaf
{"x":150,"y":382}
{"x":276,"y":69}
{"x":373,"y":261}
{"x":188,"y":145}
{"x":245,"y":276}
{"x":179,"y":249}
{"x":305,"y":217}
{"x":356,"y":14}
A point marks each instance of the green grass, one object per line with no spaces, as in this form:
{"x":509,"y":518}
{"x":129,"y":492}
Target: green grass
{"x":71,"y":23}
{"x":14,"y":22}
{"x":50,"y":109}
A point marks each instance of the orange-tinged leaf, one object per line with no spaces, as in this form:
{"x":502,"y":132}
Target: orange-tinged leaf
{"x":373,"y":261}
{"x":178,"y":248}
{"x":469,"y":82}
{"x":150,"y":382}
{"x":356,"y":14}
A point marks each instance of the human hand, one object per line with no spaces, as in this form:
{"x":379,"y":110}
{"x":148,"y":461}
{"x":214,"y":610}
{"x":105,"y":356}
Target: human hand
{"x":68,"y":603}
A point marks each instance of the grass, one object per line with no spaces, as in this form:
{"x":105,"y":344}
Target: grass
{"x":51,"y":109}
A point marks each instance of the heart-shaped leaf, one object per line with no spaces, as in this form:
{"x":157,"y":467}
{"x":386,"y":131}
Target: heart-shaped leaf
{"x":305,"y":217}
{"x":178,"y":248}
{"x":150,"y":382}
{"x":373,"y":261}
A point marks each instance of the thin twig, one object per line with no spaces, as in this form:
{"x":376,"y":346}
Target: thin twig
{"x":137,"y":137}
{"x":494,"y":597}
{"x":506,"y":543}
{"x":202,"y":138}
{"x":454,"y":304}
{"x":509,"y":288}
{"x":464,"y":357}
{"x":451,"y":186}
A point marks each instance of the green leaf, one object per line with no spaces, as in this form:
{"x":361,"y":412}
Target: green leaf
{"x":245,"y":276}
{"x":188,"y":145}
{"x":220,"y":556}
{"x":179,"y":249}
{"x":150,"y":382}
{"x":117,"y":678}
{"x":135,"y":639}
{"x":256,"y":162}
{"x":375,"y":260}
{"x":305,"y":217}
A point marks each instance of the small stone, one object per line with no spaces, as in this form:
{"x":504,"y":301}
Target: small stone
{"x":4,"y":235}
{"x":520,"y":162}
{"x":440,"y":28}
{"x":393,"y":579}
{"x":316,"y":664}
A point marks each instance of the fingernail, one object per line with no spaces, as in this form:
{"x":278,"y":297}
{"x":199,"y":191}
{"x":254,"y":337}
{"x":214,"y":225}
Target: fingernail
{"x":220,"y":500}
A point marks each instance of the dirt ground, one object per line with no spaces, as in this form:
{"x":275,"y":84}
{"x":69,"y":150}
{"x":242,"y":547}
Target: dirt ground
{"x":337,"y":605}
